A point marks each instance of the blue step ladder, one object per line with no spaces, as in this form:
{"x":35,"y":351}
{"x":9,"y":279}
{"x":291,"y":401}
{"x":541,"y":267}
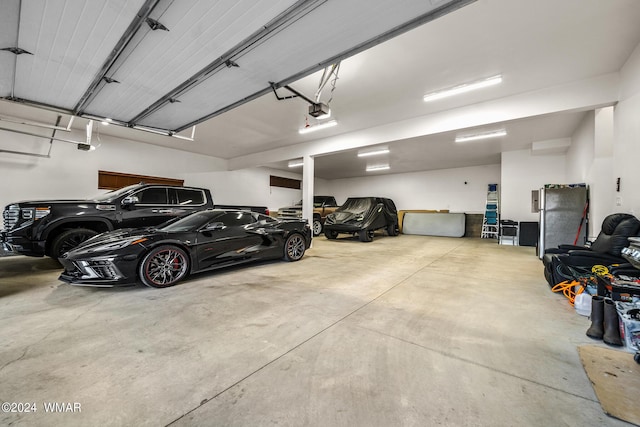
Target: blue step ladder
{"x":491,"y":220}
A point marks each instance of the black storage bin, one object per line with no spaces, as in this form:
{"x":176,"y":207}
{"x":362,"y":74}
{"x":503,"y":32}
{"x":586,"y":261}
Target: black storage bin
{"x":528,"y":233}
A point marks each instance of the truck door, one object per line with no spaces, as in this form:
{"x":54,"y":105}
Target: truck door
{"x":146,"y":208}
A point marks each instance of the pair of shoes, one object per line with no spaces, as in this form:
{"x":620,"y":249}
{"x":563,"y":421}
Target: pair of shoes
{"x":604,"y":321}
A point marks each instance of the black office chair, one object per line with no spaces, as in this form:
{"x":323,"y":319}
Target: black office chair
{"x":605,"y":250}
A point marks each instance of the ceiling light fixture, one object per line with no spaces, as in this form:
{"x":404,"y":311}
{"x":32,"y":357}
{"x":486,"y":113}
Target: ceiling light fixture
{"x":373,"y":152}
{"x":320,"y":126}
{"x":456,"y":90}
{"x":296,"y":163}
{"x":377,"y":168}
{"x":478,"y":136}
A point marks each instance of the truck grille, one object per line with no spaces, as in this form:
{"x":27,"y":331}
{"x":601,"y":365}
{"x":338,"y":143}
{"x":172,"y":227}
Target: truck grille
{"x":10,"y":216}
{"x":290,"y":213}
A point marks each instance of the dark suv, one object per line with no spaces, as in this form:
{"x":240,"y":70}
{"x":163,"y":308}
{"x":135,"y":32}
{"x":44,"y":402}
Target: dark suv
{"x":362,"y":215}
{"x":38,"y":228}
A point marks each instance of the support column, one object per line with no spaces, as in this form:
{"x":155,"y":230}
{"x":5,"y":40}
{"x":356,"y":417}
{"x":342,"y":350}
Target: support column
{"x":307,"y":188}
{"x":602,"y":175}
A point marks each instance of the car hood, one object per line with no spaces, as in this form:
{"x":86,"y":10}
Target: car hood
{"x":347,"y":216}
{"x":112,"y":237}
{"x":25,"y":203}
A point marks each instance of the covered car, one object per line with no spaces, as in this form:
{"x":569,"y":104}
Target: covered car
{"x":205,"y":240}
{"x":362,"y":216}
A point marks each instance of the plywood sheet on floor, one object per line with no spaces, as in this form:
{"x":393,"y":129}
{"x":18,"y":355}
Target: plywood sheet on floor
{"x":616,"y":380}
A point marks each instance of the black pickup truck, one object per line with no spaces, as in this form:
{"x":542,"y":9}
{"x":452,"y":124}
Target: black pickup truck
{"x":53,"y":227}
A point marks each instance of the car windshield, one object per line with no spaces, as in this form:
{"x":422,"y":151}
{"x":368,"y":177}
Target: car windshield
{"x":358,"y":205}
{"x":190,"y":222}
{"x":106,"y":197}
{"x":318,"y":201}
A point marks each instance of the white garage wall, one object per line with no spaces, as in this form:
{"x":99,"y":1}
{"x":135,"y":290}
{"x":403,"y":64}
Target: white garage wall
{"x":72,"y":174}
{"x":589,"y":160}
{"x":248,"y":187}
{"x":523,"y":172}
{"x":440,"y":189}
{"x":322,"y":187}
{"x":580,"y":154}
{"x":627,"y":137}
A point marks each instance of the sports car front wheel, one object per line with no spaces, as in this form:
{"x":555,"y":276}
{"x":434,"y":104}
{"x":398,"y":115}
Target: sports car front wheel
{"x":294,"y":247}
{"x":164,"y":266}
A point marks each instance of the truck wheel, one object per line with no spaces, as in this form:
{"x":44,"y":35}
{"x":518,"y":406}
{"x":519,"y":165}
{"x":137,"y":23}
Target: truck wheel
{"x":365,"y":235}
{"x":317,"y":226}
{"x":163,"y":266}
{"x":294,"y":247}
{"x":69,"y":239}
{"x":392,"y":230}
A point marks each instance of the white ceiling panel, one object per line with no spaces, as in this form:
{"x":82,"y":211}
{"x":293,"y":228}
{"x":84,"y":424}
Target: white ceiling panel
{"x":332,"y":30}
{"x":229,"y":85}
{"x":170,"y":64}
{"x":199,"y":33}
{"x":70,"y":40}
{"x":536,"y":46}
{"x":9,"y":12}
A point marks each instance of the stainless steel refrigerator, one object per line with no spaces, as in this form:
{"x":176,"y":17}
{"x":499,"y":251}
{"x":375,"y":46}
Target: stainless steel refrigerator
{"x":563,"y":216}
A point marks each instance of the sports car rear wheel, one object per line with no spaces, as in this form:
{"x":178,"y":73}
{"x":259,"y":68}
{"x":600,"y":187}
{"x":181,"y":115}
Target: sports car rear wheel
{"x":164,"y":266}
{"x":294,"y":247}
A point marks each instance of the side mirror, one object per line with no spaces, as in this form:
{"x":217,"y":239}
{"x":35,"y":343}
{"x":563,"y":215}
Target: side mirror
{"x":130,"y":201}
{"x":214,"y":226}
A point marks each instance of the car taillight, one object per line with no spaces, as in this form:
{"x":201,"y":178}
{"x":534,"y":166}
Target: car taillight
{"x":267,"y":213}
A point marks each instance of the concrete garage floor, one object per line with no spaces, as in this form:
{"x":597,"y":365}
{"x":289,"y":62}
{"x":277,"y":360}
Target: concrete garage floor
{"x":403,"y":331}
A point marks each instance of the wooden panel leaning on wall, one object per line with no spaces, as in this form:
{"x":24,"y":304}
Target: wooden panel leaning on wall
{"x":115,"y":180}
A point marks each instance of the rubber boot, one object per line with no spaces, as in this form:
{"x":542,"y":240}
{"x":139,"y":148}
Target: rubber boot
{"x":611,"y":324}
{"x":596,"y":331}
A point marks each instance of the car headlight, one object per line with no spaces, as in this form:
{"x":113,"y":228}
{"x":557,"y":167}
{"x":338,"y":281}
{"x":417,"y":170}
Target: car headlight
{"x":37,"y":213}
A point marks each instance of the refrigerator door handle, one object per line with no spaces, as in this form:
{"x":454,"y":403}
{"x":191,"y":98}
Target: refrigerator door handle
{"x":540,"y":247}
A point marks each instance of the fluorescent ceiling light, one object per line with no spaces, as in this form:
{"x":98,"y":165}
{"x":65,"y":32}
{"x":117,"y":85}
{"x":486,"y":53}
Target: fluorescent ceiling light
{"x":314,"y":128}
{"x":477,"y":136}
{"x":377,"y":168}
{"x":373,"y":152}
{"x":463,"y":88}
{"x":296,"y":163}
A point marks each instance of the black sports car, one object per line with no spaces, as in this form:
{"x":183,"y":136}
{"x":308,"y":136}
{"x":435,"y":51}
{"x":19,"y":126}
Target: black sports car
{"x":362,"y":215}
{"x":205,"y":240}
